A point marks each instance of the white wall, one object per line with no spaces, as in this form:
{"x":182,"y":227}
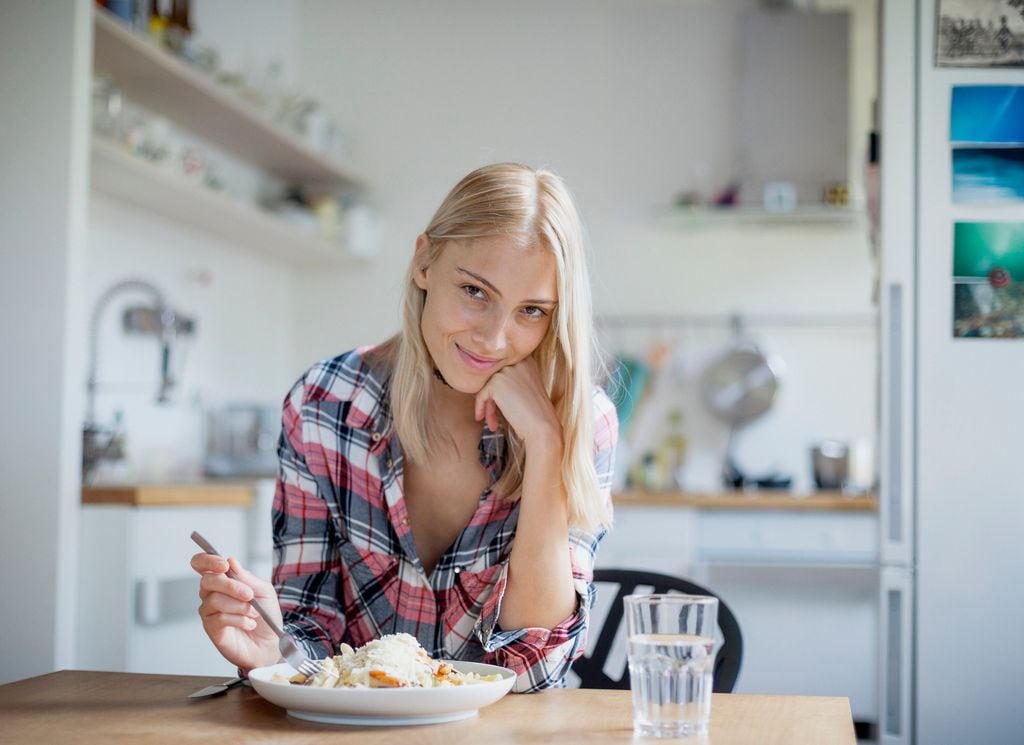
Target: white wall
{"x":631,"y":104}
{"x":44,"y":85}
{"x":607,"y":93}
{"x":241,"y":351}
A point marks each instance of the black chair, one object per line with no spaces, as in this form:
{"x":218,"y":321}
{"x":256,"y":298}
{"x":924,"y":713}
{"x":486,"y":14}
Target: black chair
{"x":591,"y":669}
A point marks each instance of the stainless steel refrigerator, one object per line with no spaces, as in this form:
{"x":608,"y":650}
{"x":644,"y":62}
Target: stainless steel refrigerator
{"x":951,"y":665}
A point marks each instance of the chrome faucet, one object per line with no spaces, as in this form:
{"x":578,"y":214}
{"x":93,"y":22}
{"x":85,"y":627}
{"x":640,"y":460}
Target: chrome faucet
{"x":159,"y":320}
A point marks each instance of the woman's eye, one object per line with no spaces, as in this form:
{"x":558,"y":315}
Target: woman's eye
{"x":474,"y":292}
{"x":534,"y":312}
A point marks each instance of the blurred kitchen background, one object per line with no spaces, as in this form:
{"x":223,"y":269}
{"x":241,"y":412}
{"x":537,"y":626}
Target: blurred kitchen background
{"x":229,"y":191}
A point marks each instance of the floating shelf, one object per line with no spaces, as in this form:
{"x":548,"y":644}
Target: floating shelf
{"x":119,"y":174}
{"x":809,"y":214}
{"x":158,"y":80}
{"x":764,"y":499}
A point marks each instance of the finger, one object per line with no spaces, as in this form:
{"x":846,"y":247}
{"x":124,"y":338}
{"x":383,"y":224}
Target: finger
{"x":216,"y":622}
{"x":260,"y":586}
{"x":492,"y":415}
{"x":221,"y":584}
{"x":481,"y":400}
{"x":203,"y":563}
{"x":219,"y":603}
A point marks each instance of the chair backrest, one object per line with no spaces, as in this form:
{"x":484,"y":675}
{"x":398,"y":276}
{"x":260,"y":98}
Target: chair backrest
{"x":590,"y":669}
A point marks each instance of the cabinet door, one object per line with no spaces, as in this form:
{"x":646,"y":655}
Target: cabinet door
{"x":166,"y":634}
{"x":137,"y":593}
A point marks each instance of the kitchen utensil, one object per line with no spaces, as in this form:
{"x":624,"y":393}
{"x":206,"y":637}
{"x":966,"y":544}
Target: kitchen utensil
{"x":738,"y":387}
{"x":289,"y":648}
{"x":741,"y":385}
{"x":219,"y":688}
{"x":830,"y":464}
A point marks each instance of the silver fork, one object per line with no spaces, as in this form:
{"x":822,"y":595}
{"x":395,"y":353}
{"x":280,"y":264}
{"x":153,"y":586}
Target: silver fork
{"x":289,"y":648}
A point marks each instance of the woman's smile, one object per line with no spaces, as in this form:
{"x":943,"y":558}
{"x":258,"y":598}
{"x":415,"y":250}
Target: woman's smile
{"x":483,"y":364}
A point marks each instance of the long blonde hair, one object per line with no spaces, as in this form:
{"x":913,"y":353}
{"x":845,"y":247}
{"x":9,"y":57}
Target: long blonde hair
{"x":534,"y":206}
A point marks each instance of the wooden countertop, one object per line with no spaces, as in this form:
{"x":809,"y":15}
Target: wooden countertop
{"x":215,"y":493}
{"x":753,"y":500}
{"x":208,"y":493}
{"x":80,"y":706}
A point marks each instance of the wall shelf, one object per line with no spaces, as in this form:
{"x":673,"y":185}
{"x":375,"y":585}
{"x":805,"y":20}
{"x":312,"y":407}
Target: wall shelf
{"x":754,"y":500}
{"x":752,"y":216}
{"x":119,"y":174}
{"x":158,"y":80}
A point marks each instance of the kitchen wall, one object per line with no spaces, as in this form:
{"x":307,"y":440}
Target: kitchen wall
{"x":616,"y":97}
{"x":243,"y":350}
{"x":631,"y":104}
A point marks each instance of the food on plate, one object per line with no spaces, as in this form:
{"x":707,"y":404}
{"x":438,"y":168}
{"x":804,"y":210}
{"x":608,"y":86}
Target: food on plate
{"x":392,"y":661}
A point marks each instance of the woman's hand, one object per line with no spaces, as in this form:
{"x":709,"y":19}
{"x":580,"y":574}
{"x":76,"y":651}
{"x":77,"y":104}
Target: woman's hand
{"x":517,"y":392}
{"x":232,"y":624}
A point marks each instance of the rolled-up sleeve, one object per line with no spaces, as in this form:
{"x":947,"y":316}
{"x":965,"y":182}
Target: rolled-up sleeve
{"x":541,"y":657}
{"x":306,"y":562}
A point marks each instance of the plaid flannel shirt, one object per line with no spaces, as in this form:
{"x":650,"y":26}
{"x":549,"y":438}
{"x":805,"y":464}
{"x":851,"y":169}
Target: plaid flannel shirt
{"x":345,"y":565}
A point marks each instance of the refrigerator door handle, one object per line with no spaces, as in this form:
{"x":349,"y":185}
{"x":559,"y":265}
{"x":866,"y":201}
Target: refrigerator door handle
{"x":894,"y":508}
{"x":895,"y":724}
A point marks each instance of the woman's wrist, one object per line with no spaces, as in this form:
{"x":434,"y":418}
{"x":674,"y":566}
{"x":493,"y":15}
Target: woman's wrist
{"x":545,"y":439}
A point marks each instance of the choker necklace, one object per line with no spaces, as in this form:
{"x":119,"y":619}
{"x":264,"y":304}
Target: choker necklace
{"x":439,"y":376}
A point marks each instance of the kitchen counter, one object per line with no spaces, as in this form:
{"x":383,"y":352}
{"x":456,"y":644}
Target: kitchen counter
{"x":241,"y":494}
{"x":208,"y":493}
{"x":753,"y":500}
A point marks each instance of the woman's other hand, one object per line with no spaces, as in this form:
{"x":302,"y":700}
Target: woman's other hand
{"x":232,"y":624}
{"x":517,"y":392}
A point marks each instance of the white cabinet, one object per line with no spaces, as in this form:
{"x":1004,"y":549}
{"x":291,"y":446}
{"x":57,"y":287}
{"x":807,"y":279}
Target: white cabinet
{"x":137,"y":594}
{"x":803,"y":585}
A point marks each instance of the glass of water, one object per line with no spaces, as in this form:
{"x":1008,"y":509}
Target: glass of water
{"x":671,"y":652}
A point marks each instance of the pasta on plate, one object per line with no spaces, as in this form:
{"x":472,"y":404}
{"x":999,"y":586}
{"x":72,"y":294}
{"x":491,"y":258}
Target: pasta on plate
{"x":392,"y":661}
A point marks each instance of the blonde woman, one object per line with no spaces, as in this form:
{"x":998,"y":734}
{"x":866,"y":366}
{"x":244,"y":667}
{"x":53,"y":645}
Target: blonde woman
{"x":453,"y":482}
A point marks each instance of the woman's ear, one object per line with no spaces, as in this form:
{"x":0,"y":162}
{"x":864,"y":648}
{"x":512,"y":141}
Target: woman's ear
{"x":421,"y":261}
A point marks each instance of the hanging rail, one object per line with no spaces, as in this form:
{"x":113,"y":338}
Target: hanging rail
{"x":737,"y":320}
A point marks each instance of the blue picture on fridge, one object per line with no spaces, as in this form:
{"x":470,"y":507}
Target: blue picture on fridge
{"x":987,"y":138}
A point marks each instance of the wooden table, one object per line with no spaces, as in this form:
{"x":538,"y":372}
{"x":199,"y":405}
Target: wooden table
{"x":80,"y":706}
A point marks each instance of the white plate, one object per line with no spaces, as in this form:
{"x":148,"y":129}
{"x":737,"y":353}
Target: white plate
{"x":383,"y":706}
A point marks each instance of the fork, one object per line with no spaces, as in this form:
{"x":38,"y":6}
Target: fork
{"x":289,"y":648}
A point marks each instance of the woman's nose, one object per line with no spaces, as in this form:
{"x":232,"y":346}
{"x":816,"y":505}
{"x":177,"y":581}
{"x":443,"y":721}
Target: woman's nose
{"x":492,"y":333}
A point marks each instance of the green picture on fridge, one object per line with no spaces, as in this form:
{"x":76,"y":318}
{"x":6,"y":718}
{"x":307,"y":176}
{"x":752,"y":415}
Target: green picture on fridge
{"x":988,"y":280}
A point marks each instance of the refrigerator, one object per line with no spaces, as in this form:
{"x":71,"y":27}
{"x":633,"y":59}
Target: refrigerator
{"x":951,"y":512}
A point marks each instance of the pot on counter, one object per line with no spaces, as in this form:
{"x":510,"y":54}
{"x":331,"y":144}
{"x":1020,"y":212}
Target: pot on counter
{"x":830,"y":464}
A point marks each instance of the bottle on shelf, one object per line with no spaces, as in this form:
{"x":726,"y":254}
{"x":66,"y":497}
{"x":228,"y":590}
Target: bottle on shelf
{"x":158,"y":23}
{"x":673,"y":450}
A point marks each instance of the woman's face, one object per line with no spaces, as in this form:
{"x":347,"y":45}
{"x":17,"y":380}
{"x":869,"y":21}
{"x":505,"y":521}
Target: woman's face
{"x":489,"y":304}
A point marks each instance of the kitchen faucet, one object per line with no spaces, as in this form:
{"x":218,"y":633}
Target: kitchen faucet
{"x":160,"y":320}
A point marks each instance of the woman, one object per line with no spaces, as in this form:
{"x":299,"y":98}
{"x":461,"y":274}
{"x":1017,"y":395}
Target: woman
{"x":453,"y":482}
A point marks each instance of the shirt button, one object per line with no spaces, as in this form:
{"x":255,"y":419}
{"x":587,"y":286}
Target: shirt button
{"x":375,"y":437}
{"x":405,"y":521}
{"x":457,"y":569}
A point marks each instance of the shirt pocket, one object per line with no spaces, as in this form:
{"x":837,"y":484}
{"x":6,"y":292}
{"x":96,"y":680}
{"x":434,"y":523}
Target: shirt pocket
{"x":475,"y":588}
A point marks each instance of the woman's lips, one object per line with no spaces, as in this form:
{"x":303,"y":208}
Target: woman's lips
{"x":477,"y":363}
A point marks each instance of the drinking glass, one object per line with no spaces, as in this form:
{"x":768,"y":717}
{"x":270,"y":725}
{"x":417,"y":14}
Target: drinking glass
{"x":671,"y":649}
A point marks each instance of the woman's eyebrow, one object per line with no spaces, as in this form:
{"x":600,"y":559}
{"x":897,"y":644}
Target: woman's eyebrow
{"x":496,"y":291}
